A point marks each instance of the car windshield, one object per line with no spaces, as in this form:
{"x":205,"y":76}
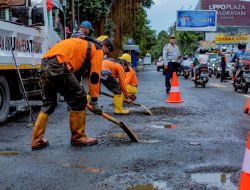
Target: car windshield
{"x":213,"y":56}
{"x":229,"y":58}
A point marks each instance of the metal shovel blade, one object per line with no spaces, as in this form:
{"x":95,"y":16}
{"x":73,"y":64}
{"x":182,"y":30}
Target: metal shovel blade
{"x":124,"y":127}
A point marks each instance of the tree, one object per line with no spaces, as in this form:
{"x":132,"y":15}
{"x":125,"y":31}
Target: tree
{"x":161,"y":40}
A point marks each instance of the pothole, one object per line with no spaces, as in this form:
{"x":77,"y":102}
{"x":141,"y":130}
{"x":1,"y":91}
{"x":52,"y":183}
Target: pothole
{"x":9,"y":153}
{"x":119,"y":135}
{"x":152,"y":186}
{"x":163,"y":126}
{"x":150,"y":141}
{"x":219,"y":180}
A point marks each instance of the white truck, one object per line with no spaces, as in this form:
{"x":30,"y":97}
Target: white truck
{"x":27,"y":31}
{"x":147,"y":60}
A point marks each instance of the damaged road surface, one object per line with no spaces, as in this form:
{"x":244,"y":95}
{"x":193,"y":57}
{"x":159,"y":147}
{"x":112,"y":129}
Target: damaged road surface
{"x":199,"y":144}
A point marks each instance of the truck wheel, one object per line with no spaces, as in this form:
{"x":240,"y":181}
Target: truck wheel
{"x":4,"y":99}
{"x":245,"y":90}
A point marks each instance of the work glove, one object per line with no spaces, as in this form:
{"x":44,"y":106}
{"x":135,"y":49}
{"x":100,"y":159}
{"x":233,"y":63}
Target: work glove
{"x":165,"y":67}
{"x":128,"y":100}
{"x":96,"y":108}
{"x":132,"y":97}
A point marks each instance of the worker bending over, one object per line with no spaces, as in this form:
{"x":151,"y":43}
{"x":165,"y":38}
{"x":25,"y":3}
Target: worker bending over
{"x":57,"y":76}
{"x":113,"y":78}
{"x":130,"y":75}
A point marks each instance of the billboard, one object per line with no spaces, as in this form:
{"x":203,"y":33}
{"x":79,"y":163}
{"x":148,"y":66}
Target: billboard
{"x":208,"y":44}
{"x":229,"y":12}
{"x":196,"y":20}
{"x":230,"y":39}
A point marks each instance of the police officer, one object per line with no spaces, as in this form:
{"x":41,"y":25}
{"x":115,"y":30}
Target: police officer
{"x":171,"y":54}
{"x":223,"y":63}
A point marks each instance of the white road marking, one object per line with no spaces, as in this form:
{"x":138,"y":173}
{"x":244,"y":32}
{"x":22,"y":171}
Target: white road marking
{"x":217,"y":85}
{"x":247,"y":95}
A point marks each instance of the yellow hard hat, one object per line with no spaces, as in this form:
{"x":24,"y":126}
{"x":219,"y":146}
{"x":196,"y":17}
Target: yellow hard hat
{"x":102,"y":38}
{"x":107,"y":41}
{"x":126,"y":57}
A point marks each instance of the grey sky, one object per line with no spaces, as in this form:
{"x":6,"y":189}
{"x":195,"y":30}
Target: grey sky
{"x":163,"y":14}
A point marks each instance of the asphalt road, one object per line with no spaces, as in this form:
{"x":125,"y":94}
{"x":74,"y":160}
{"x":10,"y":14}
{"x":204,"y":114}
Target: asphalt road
{"x":204,"y":151}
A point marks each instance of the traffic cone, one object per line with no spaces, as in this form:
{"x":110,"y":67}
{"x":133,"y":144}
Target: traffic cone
{"x":245,"y":174}
{"x":247,"y":107}
{"x":175,"y":96}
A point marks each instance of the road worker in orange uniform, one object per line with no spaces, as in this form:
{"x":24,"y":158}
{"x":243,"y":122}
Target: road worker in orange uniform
{"x":113,"y":77}
{"x":130,"y":76}
{"x":57,"y":76}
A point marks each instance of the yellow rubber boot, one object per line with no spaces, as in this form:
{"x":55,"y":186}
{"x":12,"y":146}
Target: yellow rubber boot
{"x":88,"y":99}
{"x":118,"y":105}
{"x":37,"y":140}
{"x":131,"y":89}
{"x":77,"y":127}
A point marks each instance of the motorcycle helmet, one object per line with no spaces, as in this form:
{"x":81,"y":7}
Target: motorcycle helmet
{"x":203,"y":50}
{"x":241,"y":46}
{"x":224,"y":49}
{"x":185,"y":57}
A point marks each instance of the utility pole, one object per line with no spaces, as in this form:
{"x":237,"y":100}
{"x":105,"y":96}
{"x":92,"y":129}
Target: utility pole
{"x":73,"y":13}
{"x":78,"y":13}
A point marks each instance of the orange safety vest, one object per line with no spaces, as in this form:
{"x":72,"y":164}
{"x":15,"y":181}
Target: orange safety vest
{"x":72,"y":52}
{"x":130,"y":78}
{"x":117,"y":72}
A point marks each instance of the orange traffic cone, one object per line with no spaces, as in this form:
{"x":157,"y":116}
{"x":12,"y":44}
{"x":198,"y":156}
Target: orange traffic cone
{"x":247,"y":107}
{"x":245,"y":175}
{"x":175,"y":96}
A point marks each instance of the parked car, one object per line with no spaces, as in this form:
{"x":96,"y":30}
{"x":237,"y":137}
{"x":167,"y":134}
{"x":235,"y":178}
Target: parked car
{"x":160,"y":63}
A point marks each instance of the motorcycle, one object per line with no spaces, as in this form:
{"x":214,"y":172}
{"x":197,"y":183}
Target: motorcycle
{"x":201,"y":76}
{"x":242,"y":82}
{"x":186,"y":72}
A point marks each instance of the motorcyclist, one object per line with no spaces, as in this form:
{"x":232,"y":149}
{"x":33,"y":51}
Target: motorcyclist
{"x":223,"y":63}
{"x":186,"y":61}
{"x":236,"y":59}
{"x":201,"y":60}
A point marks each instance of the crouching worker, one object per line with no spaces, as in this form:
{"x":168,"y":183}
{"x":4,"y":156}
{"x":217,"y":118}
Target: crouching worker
{"x":130,"y":76}
{"x":113,"y":78}
{"x":57,"y":75}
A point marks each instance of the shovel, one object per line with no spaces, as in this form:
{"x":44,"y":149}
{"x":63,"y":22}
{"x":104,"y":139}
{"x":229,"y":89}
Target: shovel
{"x":133,"y":103}
{"x":125,"y":128}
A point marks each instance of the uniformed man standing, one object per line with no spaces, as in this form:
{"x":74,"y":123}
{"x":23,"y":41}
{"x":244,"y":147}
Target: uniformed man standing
{"x":171,"y":54}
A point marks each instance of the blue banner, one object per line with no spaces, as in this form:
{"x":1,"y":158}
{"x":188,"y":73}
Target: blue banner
{"x":196,"y":20}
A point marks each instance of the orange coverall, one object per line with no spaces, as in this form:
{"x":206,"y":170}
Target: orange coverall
{"x":117,"y":72}
{"x":74,"y":59}
{"x":130,"y":78}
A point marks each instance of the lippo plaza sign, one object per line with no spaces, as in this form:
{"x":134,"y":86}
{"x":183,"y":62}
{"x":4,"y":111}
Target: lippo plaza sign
{"x":223,"y":39}
{"x":229,"y":12}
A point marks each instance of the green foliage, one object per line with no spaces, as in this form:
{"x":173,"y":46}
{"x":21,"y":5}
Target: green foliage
{"x":91,"y":10}
{"x":147,"y":3}
{"x":162,"y":39}
{"x":109,"y":27}
{"x":141,"y":32}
